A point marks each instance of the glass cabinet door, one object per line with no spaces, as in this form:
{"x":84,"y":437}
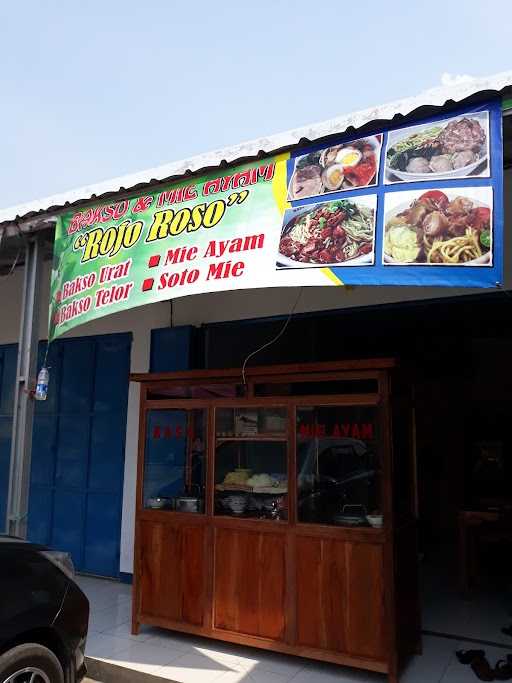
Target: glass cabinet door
{"x":175,"y":459}
{"x":338,"y":466}
{"x":251,"y":462}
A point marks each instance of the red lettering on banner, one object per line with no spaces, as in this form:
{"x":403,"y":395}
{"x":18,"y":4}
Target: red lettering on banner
{"x":98,"y":214}
{"x":180,"y":255}
{"x":250,"y":176}
{"x":142,"y":204}
{"x":176,"y":195}
{"x":225,"y":269}
{"x":186,"y":277}
{"x":107,"y":296}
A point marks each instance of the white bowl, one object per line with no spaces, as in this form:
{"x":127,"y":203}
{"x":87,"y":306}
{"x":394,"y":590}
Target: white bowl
{"x":364,"y":259}
{"x":397,"y":136}
{"x":375,"y":521}
{"x":371,"y":139}
{"x":454,"y":173}
{"x":237,"y":504}
{"x":483,"y":260}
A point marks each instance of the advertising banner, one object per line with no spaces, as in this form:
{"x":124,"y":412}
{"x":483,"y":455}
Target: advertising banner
{"x":419,"y":204}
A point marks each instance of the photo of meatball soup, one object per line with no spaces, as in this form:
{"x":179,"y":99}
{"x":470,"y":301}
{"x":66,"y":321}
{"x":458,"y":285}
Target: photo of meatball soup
{"x":454,"y":148}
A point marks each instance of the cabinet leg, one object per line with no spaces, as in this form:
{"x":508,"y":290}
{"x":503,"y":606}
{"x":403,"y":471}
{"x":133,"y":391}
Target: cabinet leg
{"x":393,"y":670}
{"x":135,"y":627}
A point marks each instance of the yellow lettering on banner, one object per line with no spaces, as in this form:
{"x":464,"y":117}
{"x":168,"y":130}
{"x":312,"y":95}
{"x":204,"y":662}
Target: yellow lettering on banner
{"x":109,"y":242}
{"x":92,"y":244}
{"x":160,"y":226}
{"x":214,"y":213}
{"x":197,"y":217}
{"x":167,"y":223}
{"x":180,"y":221}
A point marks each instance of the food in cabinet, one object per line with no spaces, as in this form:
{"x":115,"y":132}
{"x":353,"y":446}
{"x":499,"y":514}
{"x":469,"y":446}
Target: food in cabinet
{"x":237,"y":477}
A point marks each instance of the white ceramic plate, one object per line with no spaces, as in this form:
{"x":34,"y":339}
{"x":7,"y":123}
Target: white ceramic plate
{"x":371,"y":139}
{"x":483,"y":260}
{"x":445,"y":175}
{"x":364,"y":259}
{"x":391,"y":174}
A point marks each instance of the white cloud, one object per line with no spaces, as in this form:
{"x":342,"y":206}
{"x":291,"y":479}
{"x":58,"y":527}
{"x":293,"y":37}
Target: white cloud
{"x":450,"y":80}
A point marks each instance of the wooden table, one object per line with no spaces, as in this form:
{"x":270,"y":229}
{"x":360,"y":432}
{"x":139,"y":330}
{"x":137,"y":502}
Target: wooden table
{"x":469,"y":520}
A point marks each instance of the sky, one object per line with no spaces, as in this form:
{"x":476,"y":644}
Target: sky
{"x":96,"y":89}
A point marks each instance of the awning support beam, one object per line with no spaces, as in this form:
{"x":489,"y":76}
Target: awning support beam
{"x":23,"y":413}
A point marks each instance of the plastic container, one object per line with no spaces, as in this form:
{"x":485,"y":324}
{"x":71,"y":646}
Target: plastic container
{"x":43,"y":379}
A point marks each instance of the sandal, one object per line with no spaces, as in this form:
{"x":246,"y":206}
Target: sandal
{"x":482,"y":669}
{"x":467,"y":656}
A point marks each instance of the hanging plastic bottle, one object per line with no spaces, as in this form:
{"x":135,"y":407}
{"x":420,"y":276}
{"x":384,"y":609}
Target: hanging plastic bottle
{"x":43,"y":379}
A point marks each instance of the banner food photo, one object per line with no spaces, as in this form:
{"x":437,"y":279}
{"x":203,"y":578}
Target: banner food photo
{"x":419,"y":204}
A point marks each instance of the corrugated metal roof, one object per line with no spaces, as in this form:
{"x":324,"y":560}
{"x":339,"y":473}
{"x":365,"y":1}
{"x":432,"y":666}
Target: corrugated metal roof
{"x":412,"y":106}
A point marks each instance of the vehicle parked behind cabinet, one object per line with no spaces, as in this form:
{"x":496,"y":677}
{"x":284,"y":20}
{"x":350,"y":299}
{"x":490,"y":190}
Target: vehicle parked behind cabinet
{"x":43,"y":615}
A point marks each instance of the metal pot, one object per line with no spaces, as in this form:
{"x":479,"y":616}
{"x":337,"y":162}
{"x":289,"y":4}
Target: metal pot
{"x":351,"y":515}
{"x":188,"y":504}
{"x":160,"y":503}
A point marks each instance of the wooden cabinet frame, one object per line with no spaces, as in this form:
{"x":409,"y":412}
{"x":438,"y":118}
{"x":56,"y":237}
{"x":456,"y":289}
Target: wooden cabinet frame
{"x":361,"y":616}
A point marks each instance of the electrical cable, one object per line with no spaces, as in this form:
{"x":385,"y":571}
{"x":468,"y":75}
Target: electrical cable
{"x":14,"y":264}
{"x":17,"y":257}
{"x":274,"y":339}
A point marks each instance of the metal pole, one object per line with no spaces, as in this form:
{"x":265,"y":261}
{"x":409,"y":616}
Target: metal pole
{"x":21,"y":442}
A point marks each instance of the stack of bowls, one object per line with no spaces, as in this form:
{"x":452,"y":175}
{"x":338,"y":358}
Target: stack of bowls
{"x":237,"y":504}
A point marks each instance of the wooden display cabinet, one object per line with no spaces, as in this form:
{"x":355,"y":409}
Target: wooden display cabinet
{"x":278,"y":473}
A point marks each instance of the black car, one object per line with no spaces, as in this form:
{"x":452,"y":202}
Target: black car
{"x":43,"y":615}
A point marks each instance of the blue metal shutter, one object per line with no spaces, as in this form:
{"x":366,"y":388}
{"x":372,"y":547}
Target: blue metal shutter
{"x":78,"y":451}
{"x":171,"y":349}
{"x":8,"y":358}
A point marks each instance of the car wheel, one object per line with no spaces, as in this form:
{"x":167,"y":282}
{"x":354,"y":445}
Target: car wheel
{"x":30,"y":663}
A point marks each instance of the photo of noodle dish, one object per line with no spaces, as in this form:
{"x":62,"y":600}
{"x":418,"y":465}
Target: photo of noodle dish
{"x":339,"y":232}
{"x":439,"y":227}
{"x":336,"y":168}
{"x":453,"y":148}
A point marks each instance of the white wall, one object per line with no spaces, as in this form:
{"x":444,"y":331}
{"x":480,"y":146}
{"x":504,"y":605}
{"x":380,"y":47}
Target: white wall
{"x":205,"y":308}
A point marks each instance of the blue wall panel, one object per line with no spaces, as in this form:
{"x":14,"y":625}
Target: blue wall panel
{"x":72,"y":451}
{"x":78,"y":451}
{"x":171,"y":348}
{"x":5,"y":451}
{"x":112,"y":367}
{"x":104,"y":471}
{"x":44,"y":443}
{"x":8,"y":357}
{"x":76,"y":382}
{"x":68,"y":522}
{"x":41,"y":515}
{"x":102,"y":515}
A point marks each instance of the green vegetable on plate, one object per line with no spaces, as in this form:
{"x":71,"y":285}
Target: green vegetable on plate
{"x":485,"y":239}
